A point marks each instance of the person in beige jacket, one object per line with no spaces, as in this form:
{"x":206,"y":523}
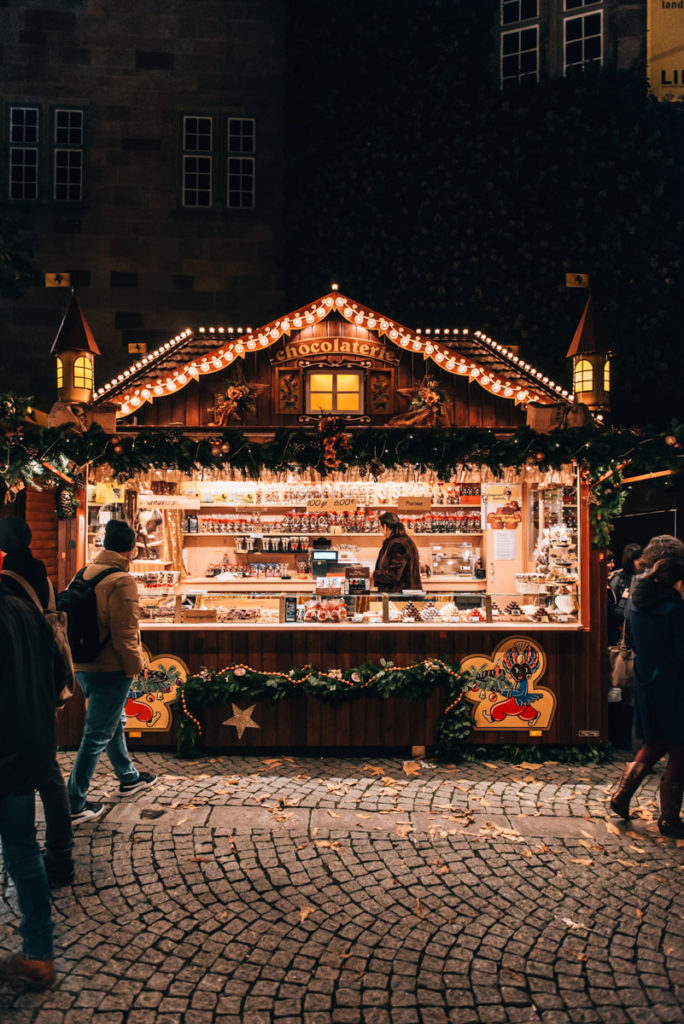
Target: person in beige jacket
{"x":106,"y":681}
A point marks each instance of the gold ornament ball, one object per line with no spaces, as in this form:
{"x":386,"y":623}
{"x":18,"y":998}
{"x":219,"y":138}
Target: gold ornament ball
{"x":118,"y":448}
{"x":215,"y":449}
{"x":539,"y":456}
{"x":225,"y":448}
{"x":671,"y":440}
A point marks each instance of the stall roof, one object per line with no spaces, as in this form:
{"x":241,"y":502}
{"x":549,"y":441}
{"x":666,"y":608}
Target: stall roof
{"x":194,"y":353}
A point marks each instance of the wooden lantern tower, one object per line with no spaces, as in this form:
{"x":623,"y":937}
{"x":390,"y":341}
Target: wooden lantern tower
{"x":74,"y":349}
{"x":590,"y":354}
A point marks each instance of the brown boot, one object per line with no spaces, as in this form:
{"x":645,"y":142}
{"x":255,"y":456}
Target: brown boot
{"x":633,"y":775}
{"x":669,"y":822}
{"x":17,"y":967}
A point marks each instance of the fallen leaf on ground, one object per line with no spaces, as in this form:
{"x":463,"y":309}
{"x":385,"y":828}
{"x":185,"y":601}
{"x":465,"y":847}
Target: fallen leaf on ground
{"x":582,"y":957}
{"x":373,"y":768}
{"x":490,"y":765}
{"x":327,"y":844}
{"x":403,"y":829}
{"x":362,"y":814}
{"x":582,"y":860}
{"x":199,"y":860}
{"x":301,"y":778}
{"x":411,"y":767}
{"x":418,"y":911}
{"x":485,"y":803}
{"x":333,"y":814}
{"x":639,"y":913}
{"x":627,"y":863}
{"x":612,"y":828}
{"x":573,"y":924}
{"x":305,"y":912}
{"x":637,"y":849}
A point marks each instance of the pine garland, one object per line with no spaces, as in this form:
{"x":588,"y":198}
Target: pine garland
{"x":207,"y":689}
{"x":601,"y":454}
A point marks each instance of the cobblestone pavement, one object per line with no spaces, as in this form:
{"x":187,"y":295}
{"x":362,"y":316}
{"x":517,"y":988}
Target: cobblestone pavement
{"x":299,"y":890}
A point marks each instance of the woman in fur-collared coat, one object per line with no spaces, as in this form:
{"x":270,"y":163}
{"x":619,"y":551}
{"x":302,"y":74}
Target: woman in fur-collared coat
{"x":398,"y":564}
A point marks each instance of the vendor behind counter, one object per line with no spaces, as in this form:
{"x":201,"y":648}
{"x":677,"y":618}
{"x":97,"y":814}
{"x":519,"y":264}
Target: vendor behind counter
{"x":398,"y":564}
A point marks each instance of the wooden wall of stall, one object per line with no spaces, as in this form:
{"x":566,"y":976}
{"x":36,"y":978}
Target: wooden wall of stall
{"x":469,"y":405}
{"x":576,"y":672}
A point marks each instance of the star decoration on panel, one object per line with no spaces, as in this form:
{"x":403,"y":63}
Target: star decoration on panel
{"x":242,"y":719}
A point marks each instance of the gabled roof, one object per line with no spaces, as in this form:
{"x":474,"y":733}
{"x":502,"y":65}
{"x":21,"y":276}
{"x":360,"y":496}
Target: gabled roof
{"x":591,"y":334}
{"x":74,"y":334}
{"x":190,"y":355}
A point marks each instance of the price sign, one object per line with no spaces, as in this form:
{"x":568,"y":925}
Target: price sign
{"x":414,"y":503}
{"x":331,"y":504}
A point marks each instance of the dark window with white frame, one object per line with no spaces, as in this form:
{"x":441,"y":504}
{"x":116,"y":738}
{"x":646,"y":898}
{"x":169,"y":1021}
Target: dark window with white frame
{"x":24,"y":141}
{"x":197,"y":161}
{"x":583,"y":41}
{"x":577,"y":5}
{"x":241,"y":162}
{"x":513,"y":11}
{"x":520,"y":56}
{"x":68,"y":155}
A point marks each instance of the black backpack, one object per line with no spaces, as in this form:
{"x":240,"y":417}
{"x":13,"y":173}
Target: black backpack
{"x":80,"y":604}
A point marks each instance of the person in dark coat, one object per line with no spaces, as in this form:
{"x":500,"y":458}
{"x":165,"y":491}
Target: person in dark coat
{"x":655,"y":621}
{"x":398,"y":565}
{"x":30,"y":682}
{"x":620,"y":583}
{"x":15,"y":538}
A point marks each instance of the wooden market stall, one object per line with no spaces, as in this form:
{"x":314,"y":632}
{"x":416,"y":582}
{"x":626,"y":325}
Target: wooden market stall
{"x":229,"y":574}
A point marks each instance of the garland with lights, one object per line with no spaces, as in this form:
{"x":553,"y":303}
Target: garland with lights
{"x":602,"y":455}
{"x":208,"y":689}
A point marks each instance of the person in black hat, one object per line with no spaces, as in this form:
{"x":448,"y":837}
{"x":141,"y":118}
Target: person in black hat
{"x":107,"y":679}
{"x":15,"y":538}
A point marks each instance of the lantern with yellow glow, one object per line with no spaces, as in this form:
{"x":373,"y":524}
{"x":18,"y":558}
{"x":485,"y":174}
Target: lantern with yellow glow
{"x":590,"y":354}
{"x":74,"y":349}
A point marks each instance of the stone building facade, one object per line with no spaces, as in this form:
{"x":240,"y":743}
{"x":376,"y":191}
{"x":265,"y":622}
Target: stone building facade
{"x":541,"y":39}
{"x":141,"y":155}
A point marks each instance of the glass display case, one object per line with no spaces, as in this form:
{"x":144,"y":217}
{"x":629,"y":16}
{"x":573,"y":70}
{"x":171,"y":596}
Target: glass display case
{"x":243,"y":552}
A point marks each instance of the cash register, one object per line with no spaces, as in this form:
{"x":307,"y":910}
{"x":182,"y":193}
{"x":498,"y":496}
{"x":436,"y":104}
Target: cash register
{"x":323,"y":562}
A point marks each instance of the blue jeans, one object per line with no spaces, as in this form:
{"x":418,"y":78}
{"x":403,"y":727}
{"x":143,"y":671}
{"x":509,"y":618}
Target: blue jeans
{"x":25,"y":865}
{"x":107,"y":693}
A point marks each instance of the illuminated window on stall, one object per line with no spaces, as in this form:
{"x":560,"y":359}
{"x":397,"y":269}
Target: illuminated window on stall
{"x":83,"y":372}
{"x":60,"y":373}
{"x":606,"y":376}
{"x":334,"y":391}
{"x":584,"y":376}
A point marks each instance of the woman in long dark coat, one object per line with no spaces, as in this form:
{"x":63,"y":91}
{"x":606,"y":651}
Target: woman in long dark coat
{"x":655,"y":621}
{"x":398,"y":564}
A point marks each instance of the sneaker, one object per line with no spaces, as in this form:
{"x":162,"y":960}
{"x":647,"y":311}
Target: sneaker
{"x":87,"y":812}
{"x":144,"y":779}
{"x":17,"y":967}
